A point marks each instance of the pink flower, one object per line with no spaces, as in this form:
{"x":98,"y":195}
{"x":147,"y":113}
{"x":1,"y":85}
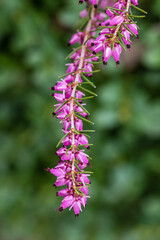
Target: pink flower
{"x":135,"y":2}
{"x":82,"y":157}
{"x":77,"y":37}
{"x":116,"y":20}
{"x":133,"y":28}
{"x":84,"y":13}
{"x":63,"y":192}
{"x":107,"y":52}
{"x":116,"y":53}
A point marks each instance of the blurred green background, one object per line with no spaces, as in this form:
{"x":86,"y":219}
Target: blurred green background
{"x":125,"y":193}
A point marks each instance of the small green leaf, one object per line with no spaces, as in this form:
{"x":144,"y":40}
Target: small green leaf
{"x":70,"y":54}
{"x":84,"y":119}
{"x":85,"y":110}
{"x":139,"y":9}
{"x":121,"y":42}
{"x":137,"y":16}
{"x":86,"y":90}
{"x":86,"y":79}
{"x":96,"y":62}
{"x":77,"y":166}
{"x":87,"y":131}
{"x":83,"y":134}
{"x":62,"y":139}
{"x":66,"y":74}
{"x":84,"y":98}
{"x":112,"y":8}
{"x":91,"y":72}
{"x":89,"y":144}
{"x":87,"y":172}
{"x":81,"y":192}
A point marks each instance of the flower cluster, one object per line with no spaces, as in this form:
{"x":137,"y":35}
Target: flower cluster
{"x":114,"y":35}
{"x":116,"y":31}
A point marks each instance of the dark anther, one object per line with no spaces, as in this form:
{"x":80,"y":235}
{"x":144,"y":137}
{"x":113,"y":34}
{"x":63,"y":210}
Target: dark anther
{"x":52,"y":88}
{"x":87,"y":117}
{"x":92,"y":44}
{"x":57,"y":194}
{"x":76,"y":215}
{"x":99,"y":24}
{"x":94,"y":52}
{"x":104,"y":63}
{"x":137,"y":36}
{"x":60,"y":209}
{"x":80,"y":2}
{"x":107,"y":24}
{"x":88,"y":164}
{"x":88,"y":148}
{"x":47,"y":169}
{"x":128,"y":46}
{"x":54,"y":186}
{"x":69,"y":44}
{"x":118,"y":62}
{"x":53,"y":114}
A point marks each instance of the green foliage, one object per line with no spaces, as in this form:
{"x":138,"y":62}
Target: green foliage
{"x":125,"y":192}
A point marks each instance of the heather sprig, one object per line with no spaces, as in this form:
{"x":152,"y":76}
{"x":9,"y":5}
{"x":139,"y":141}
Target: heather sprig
{"x":115,"y":27}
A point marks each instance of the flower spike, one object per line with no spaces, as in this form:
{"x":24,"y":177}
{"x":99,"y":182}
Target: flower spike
{"x":115,"y":27}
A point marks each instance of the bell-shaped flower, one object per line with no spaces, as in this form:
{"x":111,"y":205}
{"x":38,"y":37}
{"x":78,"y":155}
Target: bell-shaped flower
{"x":107,"y":52}
{"x":116,"y":53}
{"x":116,"y":20}
{"x":63,"y":192}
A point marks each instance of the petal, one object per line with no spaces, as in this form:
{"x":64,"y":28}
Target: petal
{"x":57,"y":172}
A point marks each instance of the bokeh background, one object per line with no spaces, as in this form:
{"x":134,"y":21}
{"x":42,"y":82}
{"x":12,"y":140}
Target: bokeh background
{"x":125,"y":193}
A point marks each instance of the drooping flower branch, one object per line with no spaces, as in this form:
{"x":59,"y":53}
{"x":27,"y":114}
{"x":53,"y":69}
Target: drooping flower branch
{"x":114,"y":35}
{"x":71,"y":112}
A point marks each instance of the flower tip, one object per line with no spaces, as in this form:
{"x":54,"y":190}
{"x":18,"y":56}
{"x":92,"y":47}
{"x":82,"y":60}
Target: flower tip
{"x":60,"y":209}
{"x":76,"y":215}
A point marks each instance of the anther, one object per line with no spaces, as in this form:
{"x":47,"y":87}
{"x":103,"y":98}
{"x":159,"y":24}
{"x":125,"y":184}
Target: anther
{"x":60,"y":209}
